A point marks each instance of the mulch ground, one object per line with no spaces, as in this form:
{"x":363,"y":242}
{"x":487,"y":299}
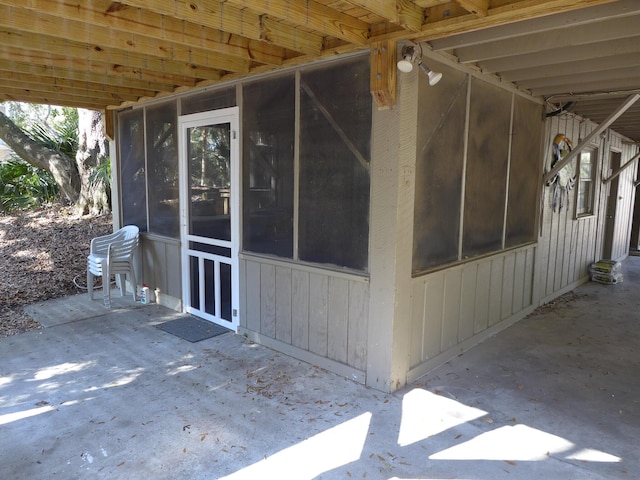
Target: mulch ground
{"x":42,"y":256}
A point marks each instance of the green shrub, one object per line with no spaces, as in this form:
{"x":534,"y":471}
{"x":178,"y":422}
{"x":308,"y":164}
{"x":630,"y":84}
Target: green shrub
{"x":24,"y":186}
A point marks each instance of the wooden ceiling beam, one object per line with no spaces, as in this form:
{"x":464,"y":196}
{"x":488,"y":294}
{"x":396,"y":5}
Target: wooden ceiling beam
{"x":80,"y":91}
{"x":450,"y":18}
{"x":21,"y":95}
{"x":477,"y":7}
{"x":159,"y":28}
{"x":313,"y":15}
{"x":229,"y":18}
{"x":76,"y":50}
{"x":103,"y":38}
{"x":405,"y":13}
{"x":43,"y":73}
{"x":63,"y":62}
{"x":83,"y":88}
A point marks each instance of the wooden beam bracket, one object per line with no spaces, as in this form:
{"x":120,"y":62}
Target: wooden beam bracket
{"x":383,"y":73}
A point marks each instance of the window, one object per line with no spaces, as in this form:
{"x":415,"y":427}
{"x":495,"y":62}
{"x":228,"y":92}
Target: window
{"x":162,"y":170}
{"x":335,"y":144}
{"x":479,"y":200}
{"x":268,"y":118}
{"x":584,"y":195}
{"x":132,"y":168}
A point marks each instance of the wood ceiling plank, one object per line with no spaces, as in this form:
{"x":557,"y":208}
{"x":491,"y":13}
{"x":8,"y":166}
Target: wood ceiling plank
{"x":583,"y":67}
{"x":80,"y":51}
{"x":156,"y":26}
{"x":547,"y":59}
{"x":58,"y":84}
{"x":78,"y":66}
{"x":108,"y":38}
{"x":21,"y":95}
{"x":82,"y":91}
{"x":586,"y":16}
{"x":297,"y":40}
{"x":619,"y":28}
{"x":43,"y":73}
{"x":477,"y":7}
{"x":313,"y":15}
{"x":231,"y":19}
{"x":443,"y":21}
{"x":404,"y":13}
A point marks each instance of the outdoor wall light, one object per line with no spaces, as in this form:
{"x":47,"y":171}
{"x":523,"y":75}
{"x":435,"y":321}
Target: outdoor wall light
{"x":410,"y":56}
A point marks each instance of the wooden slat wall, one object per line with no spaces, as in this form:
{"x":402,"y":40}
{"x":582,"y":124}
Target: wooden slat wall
{"x":160,"y":262}
{"x":452,"y":306}
{"x":567,"y":246}
{"x":311,"y":310}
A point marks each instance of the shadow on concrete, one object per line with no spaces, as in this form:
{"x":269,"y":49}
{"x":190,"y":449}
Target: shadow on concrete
{"x":111,"y":396}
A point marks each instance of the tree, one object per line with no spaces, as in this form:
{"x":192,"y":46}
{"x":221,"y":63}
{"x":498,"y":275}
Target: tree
{"x":78,"y":174}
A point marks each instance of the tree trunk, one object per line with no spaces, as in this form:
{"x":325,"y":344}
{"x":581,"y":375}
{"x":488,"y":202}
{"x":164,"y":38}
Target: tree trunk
{"x":61,"y":167}
{"x":92,"y":158}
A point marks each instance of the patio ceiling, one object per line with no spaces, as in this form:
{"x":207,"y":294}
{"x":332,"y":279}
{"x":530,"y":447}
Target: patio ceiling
{"x":101,"y":54}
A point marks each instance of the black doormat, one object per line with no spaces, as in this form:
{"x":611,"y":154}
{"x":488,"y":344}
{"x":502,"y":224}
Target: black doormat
{"x":192,"y":329}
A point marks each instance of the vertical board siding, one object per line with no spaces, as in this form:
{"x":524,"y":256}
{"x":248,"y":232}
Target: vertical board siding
{"x":452,"y":300}
{"x":483,"y":284}
{"x":300,"y":309}
{"x":318,"y":303}
{"x":468,"y":303}
{"x":160,"y":260}
{"x":508,"y":275}
{"x":358,"y":321}
{"x":453,"y":305}
{"x":268,"y":300}
{"x":434,"y":313}
{"x":283,"y":304}
{"x":252,"y":313}
{"x":322,"y":313}
{"x":337,"y":319}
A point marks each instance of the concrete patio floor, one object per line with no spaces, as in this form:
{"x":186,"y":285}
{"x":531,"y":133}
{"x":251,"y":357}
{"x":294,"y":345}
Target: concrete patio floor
{"x":105,"y":394}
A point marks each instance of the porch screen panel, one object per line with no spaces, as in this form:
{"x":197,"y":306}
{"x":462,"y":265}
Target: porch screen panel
{"x":439,"y":169}
{"x":210,"y":100}
{"x":525,"y":169}
{"x":335,"y":145}
{"x":162,"y":168}
{"x":486,"y":173}
{"x":269,"y":126}
{"x":132,"y":168}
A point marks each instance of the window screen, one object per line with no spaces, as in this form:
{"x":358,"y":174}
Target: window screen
{"x":486,"y":173}
{"x":335,"y":138}
{"x":439,"y":169}
{"x":213,"y":100}
{"x":132,"y":168}
{"x":525,"y":167}
{"x":268,"y":124}
{"x":162,"y":170}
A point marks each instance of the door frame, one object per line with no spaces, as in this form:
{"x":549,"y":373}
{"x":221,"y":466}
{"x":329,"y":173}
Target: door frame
{"x":214,"y":117}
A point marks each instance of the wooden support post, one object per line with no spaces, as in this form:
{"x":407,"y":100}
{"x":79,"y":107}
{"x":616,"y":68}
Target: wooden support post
{"x":107,"y":121}
{"x":383,"y":73}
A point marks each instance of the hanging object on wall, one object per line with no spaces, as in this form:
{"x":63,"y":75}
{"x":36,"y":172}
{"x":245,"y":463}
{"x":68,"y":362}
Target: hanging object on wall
{"x":565,"y":179}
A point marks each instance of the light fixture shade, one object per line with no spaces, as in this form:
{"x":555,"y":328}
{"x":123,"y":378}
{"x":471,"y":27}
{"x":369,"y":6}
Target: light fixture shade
{"x":405,"y":65}
{"x":408,"y":56}
{"x":434,"y":77}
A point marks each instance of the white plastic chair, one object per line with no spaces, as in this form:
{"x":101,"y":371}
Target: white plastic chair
{"x":113,"y":255}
